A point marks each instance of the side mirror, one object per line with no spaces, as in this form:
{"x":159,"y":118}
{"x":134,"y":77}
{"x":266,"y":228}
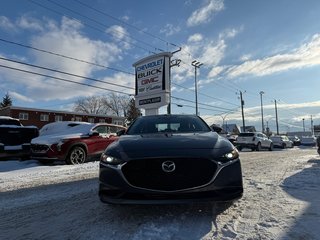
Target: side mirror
{"x":216,"y":128}
{"x":94,"y":134}
{"x":121,"y":132}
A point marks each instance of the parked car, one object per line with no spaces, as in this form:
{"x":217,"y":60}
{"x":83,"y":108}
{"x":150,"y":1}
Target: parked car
{"x":167,"y":159}
{"x":73,"y":142}
{"x":308,"y":141}
{"x":254,"y":141}
{"x":15,"y":138}
{"x":281,"y":142}
{"x":296,"y":141}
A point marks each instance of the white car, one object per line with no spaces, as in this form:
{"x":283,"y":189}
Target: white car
{"x":254,"y":141}
{"x":281,"y":142}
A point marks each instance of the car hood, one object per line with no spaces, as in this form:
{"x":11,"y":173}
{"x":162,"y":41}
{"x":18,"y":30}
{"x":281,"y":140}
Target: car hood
{"x":168,"y":144}
{"x":52,"y":139}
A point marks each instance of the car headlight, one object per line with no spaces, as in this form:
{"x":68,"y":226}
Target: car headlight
{"x":60,"y":143}
{"x":234,"y":154}
{"x":110,"y":160}
{"x":228,"y":157}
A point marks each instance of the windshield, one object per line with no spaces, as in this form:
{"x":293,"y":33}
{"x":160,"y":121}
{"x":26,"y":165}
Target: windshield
{"x":246,"y":134}
{"x":168,"y":123}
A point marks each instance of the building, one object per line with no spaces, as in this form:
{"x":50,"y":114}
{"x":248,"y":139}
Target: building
{"x":231,"y":129}
{"x":41,"y":117}
{"x":249,"y":129}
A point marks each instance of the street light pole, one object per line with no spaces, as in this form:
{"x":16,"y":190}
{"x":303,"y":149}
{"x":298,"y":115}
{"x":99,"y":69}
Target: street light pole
{"x":276,"y":109}
{"x":303,"y":125}
{"x":196,"y":65}
{"x":262,"y":92}
{"x":242,"y":103}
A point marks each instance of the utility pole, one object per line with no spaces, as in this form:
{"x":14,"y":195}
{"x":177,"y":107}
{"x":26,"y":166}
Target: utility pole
{"x":312,"y":130}
{"x":196,"y":65}
{"x":304,"y":129}
{"x":276,"y":109}
{"x":262,"y":92}
{"x":242,"y":103}
{"x":172,"y":63}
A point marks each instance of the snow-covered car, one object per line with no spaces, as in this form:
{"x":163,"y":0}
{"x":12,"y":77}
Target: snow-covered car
{"x":73,"y":142}
{"x":166,"y":159}
{"x":281,"y":142}
{"x":254,"y":141}
{"x":15,"y":138}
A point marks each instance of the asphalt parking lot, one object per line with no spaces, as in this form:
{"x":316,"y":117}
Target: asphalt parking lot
{"x":60,"y":202}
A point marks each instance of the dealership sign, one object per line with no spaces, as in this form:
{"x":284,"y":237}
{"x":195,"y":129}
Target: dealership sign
{"x":152,"y":81}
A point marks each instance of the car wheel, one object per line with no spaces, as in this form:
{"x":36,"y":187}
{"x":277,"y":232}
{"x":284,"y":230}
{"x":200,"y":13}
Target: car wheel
{"x":283,"y":146}
{"x":239,"y":148}
{"x":77,"y":155}
{"x":258,"y":146}
{"x":271,"y":147}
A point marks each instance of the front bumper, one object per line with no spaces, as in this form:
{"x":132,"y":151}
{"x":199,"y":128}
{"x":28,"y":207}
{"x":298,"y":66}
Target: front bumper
{"x":226,"y":185}
{"x":20,"y":151}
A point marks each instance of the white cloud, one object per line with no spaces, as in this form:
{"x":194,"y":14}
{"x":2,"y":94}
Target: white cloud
{"x":125,"y":18}
{"x":195,"y":38}
{"x":6,"y":24}
{"x":205,"y":13}
{"x":170,"y":29}
{"x":215,"y":71}
{"x":230,"y":33}
{"x":66,"y":39}
{"x":245,"y":57}
{"x":19,"y":96}
{"x":305,"y":56}
{"x":26,"y":22}
{"x":119,"y":34}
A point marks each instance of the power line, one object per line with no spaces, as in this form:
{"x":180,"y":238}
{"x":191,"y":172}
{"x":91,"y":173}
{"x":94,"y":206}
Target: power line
{"x":203,"y":104}
{"x":88,"y":25}
{"x":185,"y":105}
{"x":64,"y":56}
{"x":64,"y":80}
{"x":125,"y":23}
{"x":66,"y":73}
{"x":203,"y":94}
{"x":104,"y":25}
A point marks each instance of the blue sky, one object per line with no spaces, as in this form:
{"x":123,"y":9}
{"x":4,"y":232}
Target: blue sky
{"x":248,"y":46}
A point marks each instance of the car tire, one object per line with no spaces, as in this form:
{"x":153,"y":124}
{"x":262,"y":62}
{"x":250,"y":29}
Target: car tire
{"x":77,"y":155}
{"x":283,"y":146}
{"x":258,"y":148}
{"x":271,"y":147}
{"x":239,"y":148}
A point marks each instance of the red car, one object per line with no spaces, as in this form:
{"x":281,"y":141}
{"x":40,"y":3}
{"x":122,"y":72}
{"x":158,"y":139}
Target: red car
{"x":73,"y":142}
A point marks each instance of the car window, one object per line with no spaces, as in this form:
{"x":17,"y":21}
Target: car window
{"x":246,"y":134}
{"x":165,"y":124}
{"x":102,"y":129}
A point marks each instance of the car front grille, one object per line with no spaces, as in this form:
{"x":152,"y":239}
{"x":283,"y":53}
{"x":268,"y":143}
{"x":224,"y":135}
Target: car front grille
{"x":39,"y":148}
{"x":188,"y":173}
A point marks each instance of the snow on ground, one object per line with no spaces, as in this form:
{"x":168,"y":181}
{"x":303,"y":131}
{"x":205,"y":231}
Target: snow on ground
{"x":281,"y":201}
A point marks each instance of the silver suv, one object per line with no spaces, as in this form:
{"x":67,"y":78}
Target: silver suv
{"x":254,"y":141}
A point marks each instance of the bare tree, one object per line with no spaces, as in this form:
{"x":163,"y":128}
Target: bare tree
{"x":116,"y":104}
{"x":90,"y":105}
{"x":113,"y":104}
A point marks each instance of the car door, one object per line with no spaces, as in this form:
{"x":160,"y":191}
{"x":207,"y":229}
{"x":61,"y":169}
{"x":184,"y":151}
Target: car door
{"x":265,"y":142}
{"x":99,"y":143}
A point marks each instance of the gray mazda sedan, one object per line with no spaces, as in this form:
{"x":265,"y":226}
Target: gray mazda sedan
{"x":166,"y":159}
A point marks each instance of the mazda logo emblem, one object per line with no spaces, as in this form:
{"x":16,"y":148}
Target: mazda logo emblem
{"x":168,"y":166}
